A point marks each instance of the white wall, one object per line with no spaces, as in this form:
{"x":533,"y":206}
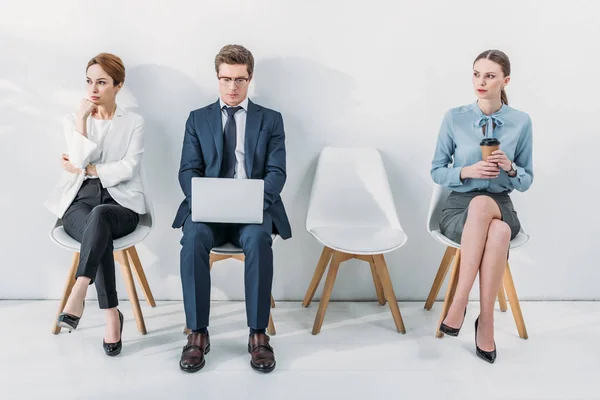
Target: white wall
{"x":379,"y":74}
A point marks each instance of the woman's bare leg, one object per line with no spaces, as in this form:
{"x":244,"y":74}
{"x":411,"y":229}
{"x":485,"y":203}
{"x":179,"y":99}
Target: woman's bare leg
{"x":490,"y":276}
{"x":482,"y":210}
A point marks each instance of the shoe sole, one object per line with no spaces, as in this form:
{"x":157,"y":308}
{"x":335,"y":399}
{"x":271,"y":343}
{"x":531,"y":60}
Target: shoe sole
{"x":259,"y":369}
{"x":192,"y":370}
{"x":114,"y":353}
{"x":453,"y":334}
{"x":483,"y":357}
{"x":263,"y":370}
{"x":64,"y":325}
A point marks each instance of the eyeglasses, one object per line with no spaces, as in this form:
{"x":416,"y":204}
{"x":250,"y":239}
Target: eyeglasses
{"x":238,"y":82}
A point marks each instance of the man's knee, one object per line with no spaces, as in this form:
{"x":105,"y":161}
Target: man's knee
{"x":254,"y":237}
{"x":196,"y":233}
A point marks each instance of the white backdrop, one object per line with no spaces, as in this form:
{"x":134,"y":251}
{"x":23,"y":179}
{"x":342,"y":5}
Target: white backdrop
{"x":378,"y":73}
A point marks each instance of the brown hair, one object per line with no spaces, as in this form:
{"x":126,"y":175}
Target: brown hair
{"x":501,"y":59}
{"x":235,"y":54}
{"x":111,"y":64}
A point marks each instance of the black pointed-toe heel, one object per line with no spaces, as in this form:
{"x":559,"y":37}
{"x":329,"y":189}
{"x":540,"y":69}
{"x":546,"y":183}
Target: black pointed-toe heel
{"x":114,"y":349}
{"x":448,"y":330}
{"x":489,"y":356}
{"x":69,"y":321}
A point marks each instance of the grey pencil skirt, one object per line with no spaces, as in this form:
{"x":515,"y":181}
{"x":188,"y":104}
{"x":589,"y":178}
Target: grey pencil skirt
{"x":454,"y":213}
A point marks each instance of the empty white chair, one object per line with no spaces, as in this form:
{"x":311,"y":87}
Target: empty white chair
{"x":351,"y":212}
{"x":124,"y":250}
{"x":440,"y":194}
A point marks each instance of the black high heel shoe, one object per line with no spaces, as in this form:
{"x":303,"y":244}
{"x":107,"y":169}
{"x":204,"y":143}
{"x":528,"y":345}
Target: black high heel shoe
{"x":489,"y":356}
{"x":114,"y":349}
{"x":448,"y":330}
{"x":69,"y":321}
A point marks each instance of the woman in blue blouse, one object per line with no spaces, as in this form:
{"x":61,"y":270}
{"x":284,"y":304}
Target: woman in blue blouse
{"x":478,"y":213}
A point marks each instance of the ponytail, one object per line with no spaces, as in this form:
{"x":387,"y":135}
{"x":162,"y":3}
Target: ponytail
{"x":503,"y":96}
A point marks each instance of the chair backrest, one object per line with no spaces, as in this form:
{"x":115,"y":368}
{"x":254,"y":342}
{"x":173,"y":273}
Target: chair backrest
{"x":351,"y":188}
{"x":438,"y":199}
{"x":148,"y":218}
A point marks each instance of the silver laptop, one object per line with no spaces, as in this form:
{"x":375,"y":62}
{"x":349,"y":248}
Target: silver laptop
{"x":226,"y":200}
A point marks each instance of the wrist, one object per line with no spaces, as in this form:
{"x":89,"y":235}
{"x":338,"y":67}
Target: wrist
{"x":464,"y":173}
{"x":512,"y":172}
{"x":90,"y":170}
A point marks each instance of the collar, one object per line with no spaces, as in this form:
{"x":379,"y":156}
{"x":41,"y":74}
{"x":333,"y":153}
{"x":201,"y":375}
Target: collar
{"x":243,"y":104}
{"x":489,"y":120}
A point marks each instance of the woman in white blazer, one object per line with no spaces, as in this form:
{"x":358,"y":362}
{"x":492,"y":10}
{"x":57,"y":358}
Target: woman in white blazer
{"x":100,"y":195}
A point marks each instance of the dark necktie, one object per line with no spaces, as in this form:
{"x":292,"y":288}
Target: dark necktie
{"x":229,"y":143}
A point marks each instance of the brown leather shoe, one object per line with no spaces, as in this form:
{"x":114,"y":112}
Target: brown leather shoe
{"x":263,"y":357}
{"x":192,"y":356}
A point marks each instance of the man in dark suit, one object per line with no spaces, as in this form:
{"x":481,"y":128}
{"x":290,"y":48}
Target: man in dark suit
{"x":231,"y":138}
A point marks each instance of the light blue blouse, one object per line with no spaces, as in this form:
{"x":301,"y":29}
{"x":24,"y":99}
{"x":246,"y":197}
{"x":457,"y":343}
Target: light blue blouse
{"x":458,"y":144}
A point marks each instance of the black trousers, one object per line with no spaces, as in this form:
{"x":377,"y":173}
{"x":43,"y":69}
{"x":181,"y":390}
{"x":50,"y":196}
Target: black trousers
{"x":94,"y":219}
{"x":198,"y":240}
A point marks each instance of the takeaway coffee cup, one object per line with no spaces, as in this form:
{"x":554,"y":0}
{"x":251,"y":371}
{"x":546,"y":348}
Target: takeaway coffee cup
{"x":488,"y":146}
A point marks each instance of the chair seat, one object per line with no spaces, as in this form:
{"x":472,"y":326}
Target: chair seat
{"x":362,"y":240}
{"x":63,"y":239}
{"x":229,"y":248}
{"x":520,"y":240}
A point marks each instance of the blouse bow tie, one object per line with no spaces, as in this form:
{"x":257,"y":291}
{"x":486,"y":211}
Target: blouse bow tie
{"x":490,"y":121}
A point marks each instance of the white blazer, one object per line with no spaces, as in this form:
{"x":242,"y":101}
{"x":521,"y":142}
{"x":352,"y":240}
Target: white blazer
{"x":119,"y":169}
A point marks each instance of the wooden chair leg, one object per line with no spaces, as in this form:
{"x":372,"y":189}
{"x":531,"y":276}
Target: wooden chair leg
{"x":141,"y":275}
{"x":326,"y":255}
{"x":502,"y":298}
{"x":377,"y":283}
{"x":388,"y":290}
{"x":215,"y":258}
{"x":239,"y":257}
{"x":440,"y":276}
{"x":331,"y":275}
{"x":511,"y":292}
{"x":66,"y":292}
{"x":133,"y":297}
{"x":450,"y":291}
{"x":271,"y":327}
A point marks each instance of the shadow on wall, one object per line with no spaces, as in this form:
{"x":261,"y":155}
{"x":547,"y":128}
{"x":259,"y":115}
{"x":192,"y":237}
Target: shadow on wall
{"x":313,"y":99}
{"x":165,"y":98}
{"x":317,"y":102}
{"x":38,"y":84}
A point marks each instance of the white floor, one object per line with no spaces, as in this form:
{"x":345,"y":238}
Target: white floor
{"x":357,"y":355}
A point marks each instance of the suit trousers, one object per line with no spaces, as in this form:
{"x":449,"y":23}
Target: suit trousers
{"x":197,"y":242}
{"x":95,"y":219}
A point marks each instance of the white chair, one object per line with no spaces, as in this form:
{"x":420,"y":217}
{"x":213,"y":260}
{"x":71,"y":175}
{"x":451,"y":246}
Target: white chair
{"x":226,"y":251}
{"x":352,"y":213}
{"x":440,"y":194}
{"x":124,"y":250}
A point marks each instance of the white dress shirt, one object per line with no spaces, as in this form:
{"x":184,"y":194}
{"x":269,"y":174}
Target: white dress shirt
{"x":240,"y":125}
{"x":97,"y":133}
